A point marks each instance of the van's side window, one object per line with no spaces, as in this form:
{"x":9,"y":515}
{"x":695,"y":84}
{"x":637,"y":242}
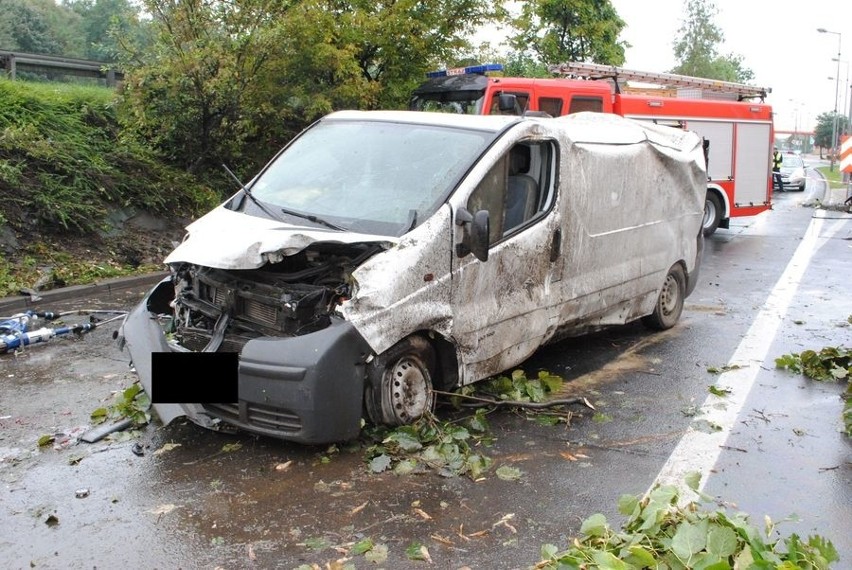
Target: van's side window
{"x":579,"y":104}
{"x":517,"y":189}
{"x":550,"y":105}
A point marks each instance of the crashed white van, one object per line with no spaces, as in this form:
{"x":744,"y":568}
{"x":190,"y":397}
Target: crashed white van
{"x":383,"y":254}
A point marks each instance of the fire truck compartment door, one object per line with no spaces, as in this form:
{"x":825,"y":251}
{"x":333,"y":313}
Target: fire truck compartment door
{"x":751,"y":163}
{"x":720,"y":163}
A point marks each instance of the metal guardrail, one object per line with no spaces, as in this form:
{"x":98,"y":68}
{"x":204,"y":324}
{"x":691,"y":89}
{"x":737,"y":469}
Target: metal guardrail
{"x":13,"y":62}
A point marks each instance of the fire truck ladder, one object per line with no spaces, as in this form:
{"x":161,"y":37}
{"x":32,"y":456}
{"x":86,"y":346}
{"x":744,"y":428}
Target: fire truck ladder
{"x":598,"y":71}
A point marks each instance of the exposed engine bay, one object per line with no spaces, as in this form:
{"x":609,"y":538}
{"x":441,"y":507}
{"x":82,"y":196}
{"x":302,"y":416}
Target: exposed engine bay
{"x":218,"y":309}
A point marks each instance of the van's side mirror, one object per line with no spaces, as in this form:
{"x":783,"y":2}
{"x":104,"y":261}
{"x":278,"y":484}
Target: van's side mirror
{"x":506,"y":102}
{"x":476,"y":228}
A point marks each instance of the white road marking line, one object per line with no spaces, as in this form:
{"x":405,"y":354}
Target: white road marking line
{"x":699,"y":448}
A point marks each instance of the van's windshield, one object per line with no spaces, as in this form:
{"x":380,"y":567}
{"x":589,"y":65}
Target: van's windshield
{"x":374,"y":177}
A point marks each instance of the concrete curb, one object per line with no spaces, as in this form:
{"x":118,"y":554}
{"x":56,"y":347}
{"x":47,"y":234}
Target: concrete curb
{"x":10,"y":305}
{"x":831,"y":197}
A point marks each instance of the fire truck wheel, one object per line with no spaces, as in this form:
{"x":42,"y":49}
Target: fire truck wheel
{"x":399,"y":383}
{"x":712,"y":213}
{"x":670,"y":302}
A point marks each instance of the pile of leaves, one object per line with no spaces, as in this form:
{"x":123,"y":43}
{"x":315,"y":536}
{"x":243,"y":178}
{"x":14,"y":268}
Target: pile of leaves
{"x":661,"y":533}
{"x":830,"y":364}
{"x":447,"y":447}
{"x":454,"y":447}
{"x":132,"y":402}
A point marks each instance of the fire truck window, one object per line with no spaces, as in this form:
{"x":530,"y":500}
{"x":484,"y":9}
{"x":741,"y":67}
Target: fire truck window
{"x":550,"y":105}
{"x":517,"y":190}
{"x":578,"y":104}
{"x":522,"y":101}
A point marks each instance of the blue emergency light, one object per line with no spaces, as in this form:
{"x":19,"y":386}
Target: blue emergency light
{"x":471,"y":69}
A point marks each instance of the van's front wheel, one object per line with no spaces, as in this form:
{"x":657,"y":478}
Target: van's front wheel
{"x":670,"y":302}
{"x":399,"y":383}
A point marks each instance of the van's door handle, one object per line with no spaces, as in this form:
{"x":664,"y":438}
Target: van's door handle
{"x":556,"y":245}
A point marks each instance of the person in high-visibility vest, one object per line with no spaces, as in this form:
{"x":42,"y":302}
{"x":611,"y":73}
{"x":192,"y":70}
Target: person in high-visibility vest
{"x":776,"y":170}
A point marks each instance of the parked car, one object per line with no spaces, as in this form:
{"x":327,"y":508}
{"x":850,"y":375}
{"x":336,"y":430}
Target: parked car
{"x":381,"y":255}
{"x":793,"y":171}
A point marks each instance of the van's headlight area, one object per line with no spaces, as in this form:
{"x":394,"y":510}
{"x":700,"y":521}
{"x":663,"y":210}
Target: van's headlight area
{"x":217,"y":309}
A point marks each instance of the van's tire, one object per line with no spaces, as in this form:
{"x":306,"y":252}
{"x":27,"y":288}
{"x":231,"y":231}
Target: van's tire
{"x":399,"y":383}
{"x":712,"y":213}
{"x":670,"y":302}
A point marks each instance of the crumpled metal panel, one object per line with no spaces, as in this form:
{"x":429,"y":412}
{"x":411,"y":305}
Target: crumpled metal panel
{"x":226,"y":239}
{"x":407,"y":288}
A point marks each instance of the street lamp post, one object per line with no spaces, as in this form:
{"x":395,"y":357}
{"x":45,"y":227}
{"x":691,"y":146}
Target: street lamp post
{"x":846,"y":101}
{"x":836,"y":94}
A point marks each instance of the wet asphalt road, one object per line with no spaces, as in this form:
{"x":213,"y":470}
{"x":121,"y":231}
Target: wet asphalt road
{"x":213,"y":500}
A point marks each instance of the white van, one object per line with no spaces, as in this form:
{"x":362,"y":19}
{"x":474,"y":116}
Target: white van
{"x":383,"y":254}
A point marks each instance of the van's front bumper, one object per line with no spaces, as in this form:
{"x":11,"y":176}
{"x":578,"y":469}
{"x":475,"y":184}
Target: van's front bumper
{"x":307,"y":389}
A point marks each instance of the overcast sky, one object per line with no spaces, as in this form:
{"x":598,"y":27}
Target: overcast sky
{"x":778,"y":40}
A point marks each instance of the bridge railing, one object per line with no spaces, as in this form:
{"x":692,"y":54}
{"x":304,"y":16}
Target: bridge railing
{"x":14,"y":62}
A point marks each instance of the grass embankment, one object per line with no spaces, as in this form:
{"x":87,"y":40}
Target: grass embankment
{"x":835,"y":177}
{"x":65,"y":165}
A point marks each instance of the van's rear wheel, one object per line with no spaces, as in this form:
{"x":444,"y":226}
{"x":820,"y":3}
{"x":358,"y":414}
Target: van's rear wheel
{"x":399,"y":383}
{"x":712,"y":213}
{"x":670,"y":302}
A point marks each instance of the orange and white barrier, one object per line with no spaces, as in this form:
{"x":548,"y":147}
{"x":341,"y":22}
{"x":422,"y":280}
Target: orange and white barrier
{"x":846,"y":154}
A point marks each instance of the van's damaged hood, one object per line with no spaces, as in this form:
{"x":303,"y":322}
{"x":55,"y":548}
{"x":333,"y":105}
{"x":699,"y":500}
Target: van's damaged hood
{"x":224,"y":239}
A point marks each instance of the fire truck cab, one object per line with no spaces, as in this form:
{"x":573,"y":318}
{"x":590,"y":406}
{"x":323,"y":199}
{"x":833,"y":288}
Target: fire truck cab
{"x":738,"y":133}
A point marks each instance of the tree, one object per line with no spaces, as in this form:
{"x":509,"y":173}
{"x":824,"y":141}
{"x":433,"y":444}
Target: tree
{"x":37,"y":26}
{"x":696,"y":46}
{"x":825,"y":129}
{"x":570,"y":30}
{"x":102,"y":22}
{"x":231,"y":81}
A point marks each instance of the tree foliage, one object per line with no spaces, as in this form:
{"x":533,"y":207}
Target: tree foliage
{"x":101,"y":22}
{"x":232,"y":81}
{"x":825,"y":128}
{"x":570,"y":30}
{"x":31,"y":26}
{"x":696,"y":46}
{"x":74,"y":28}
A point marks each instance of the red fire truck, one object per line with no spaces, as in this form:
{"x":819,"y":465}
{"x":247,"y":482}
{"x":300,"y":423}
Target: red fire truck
{"x":740,"y":132}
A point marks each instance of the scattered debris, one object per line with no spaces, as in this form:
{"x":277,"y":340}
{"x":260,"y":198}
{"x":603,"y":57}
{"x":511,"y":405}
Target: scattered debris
{"x":46,"y":440}
{"x":725,"y":368}
{"x":830,"y":364}
{"x":163,"y":509}
{"x":507,"y":473}
{"x":17,"y":331}
{"x":100,"y":432}
{"x":166,"y":447}
{"x":718,"y":391}
{"x":417,"y":551}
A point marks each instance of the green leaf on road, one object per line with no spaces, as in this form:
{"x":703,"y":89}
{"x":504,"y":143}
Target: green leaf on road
{"x":507,"y":473}
{"x":380,"y":463}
